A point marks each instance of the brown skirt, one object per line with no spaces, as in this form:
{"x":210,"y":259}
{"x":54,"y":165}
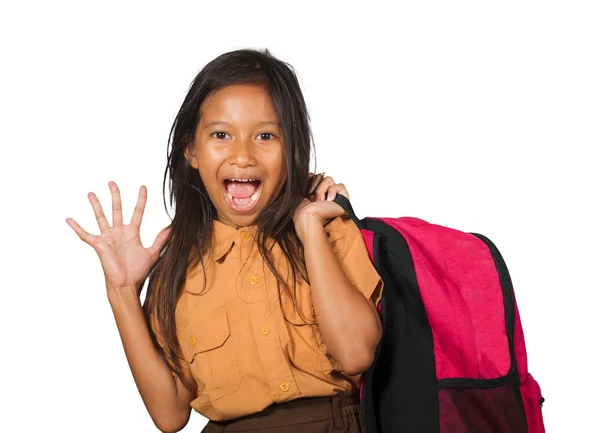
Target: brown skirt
{"x":335,"y":414}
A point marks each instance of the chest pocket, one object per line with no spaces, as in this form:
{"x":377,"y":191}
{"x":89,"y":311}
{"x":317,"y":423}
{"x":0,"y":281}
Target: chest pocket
{"x":209,"y":348}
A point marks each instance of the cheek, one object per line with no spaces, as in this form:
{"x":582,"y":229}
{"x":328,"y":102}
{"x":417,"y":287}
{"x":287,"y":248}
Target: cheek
{"x":278,"y":165}
{"x":209,"y":179}
{"x":208,"y":167}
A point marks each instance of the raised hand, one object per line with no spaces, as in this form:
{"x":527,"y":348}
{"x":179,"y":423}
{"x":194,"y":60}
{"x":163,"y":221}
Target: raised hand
{"x":125,"y":261}
{"x":319,"y":205}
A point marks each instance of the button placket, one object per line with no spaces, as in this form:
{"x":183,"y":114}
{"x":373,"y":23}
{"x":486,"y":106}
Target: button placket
{"x":275,"y":366}
{"x":249,"y":283}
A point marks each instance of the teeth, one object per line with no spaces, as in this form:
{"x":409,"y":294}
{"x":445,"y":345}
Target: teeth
{"x":242,"y":180}
{"x":253,"y":197}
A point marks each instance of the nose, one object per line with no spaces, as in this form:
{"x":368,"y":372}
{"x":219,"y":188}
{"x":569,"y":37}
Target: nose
{"x":242,"y":153}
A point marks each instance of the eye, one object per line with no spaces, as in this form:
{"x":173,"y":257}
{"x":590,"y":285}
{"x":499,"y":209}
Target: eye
{"x":266,"y":136}
{"x":219,"y":135}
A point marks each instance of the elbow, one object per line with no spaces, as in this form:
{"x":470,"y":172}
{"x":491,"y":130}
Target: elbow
{"x":167,"y":427}
{"x":355,"y":365}
{"x":358,"y":355}
{"x":359,"y":358}
{"x":172,"y":424}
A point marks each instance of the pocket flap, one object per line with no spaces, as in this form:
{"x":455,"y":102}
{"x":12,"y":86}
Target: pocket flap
{"x":206,"y":330}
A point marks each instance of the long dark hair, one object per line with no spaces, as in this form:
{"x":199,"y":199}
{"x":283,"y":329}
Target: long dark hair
{"x":192,"y":224}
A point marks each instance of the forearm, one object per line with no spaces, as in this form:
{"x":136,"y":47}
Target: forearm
{"x":348,"y":321}
{"x":165,"y":398}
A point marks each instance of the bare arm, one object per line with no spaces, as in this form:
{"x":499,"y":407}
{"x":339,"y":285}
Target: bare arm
{"x":126,"y":264}
{"x":348,"y":321}
{"x":165,"y":396}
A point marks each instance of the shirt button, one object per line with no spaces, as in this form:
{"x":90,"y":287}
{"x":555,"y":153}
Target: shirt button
{"x":244,"y":234}
{"x":285,"y":387}
{"x":264,"y":330}
{"x":253,"y":280}
{"x":192,"y":341}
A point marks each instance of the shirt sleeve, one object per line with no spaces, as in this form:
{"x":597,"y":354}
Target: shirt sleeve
{"x":349,"y":246}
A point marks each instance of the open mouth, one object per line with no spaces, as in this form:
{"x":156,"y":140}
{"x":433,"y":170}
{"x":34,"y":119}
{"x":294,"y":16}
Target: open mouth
{"x":242,"y":194}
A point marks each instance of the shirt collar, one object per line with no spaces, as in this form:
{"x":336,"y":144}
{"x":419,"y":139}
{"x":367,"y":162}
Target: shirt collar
{"x":225,"y":236}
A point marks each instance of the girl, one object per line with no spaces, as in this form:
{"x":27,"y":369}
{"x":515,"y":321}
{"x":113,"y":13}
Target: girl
{"x":230,"y":325}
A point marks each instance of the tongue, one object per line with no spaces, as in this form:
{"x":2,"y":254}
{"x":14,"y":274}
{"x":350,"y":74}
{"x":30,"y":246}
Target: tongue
{"x":241,"y":189}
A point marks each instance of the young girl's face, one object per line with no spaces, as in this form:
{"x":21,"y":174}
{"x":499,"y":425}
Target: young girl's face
{"x":239,"y":152}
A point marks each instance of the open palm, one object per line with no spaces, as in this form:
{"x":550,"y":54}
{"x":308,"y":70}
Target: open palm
{"x":125,"y":261}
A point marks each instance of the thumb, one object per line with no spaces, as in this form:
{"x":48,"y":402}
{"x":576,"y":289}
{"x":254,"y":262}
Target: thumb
{"x":328,"y":209}
{"x":159,"y":242}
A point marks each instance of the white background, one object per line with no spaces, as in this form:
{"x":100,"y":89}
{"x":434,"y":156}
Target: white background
{"x":482,"y":116}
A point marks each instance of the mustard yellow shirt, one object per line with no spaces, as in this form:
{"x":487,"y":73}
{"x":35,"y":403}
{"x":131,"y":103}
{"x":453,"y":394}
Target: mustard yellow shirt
{"x":242,"y":353}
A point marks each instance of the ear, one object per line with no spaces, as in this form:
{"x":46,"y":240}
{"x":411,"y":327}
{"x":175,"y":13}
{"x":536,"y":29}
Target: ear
{"x":190,"y":154}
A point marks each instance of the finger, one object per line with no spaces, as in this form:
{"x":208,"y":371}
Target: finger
{"x":315,"y":183}
{"x":83,"y":235}
{"x":338,"y":188}
{"x":117,"y":209}
{"x":309,"y":187}
{"x":159,"y":242}
{"x":311,"y":175}
{"x":98,"y":212}
{"x":138,"y":212}
{"x":329,"y":210}
{"x":322,"y":188}
{"x":305,"y":202}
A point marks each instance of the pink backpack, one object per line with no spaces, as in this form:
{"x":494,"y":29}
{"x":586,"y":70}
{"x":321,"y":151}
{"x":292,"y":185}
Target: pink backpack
{"x":452,"y":358}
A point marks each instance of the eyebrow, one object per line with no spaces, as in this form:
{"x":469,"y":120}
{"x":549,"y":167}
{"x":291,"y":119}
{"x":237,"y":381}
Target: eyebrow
{"x":222,"y":122}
